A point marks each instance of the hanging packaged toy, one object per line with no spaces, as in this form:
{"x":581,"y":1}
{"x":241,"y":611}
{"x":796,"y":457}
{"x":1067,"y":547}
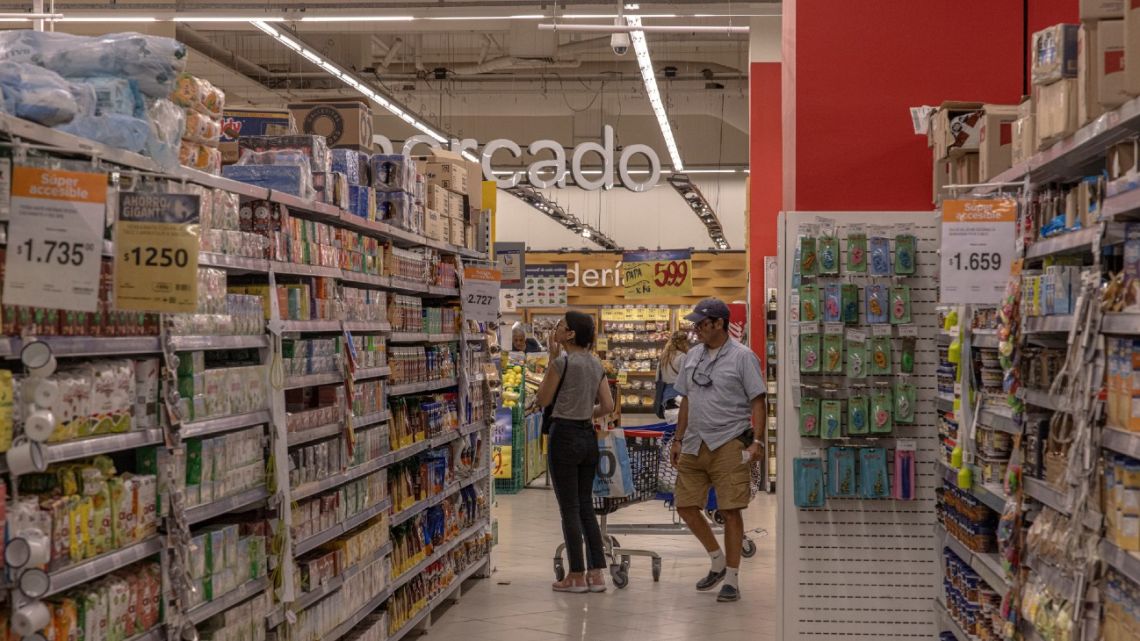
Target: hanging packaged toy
{"x":858,"y":422}
{"x":809,"y":265}
{"x":857,"y":364}
{"x":856,"y":250}
{"x":849,"y":303}
{"x":809,"y":353}
{"x":833,"y":354}
{"x":900,"y":304}
{"x":808,"y":482}
{"x":831,"y":419}
{"x":841,"y":477}
{"x":905,"y":398}
{"x":828,"y":251}
{"x":876,"y":297}
{"x":880,"y":256}
{"x":880,"y":356}
{"x":881,"y":411}
{"x":809,"y":416}
{"x":832,"y":303}
{"x":809,"y":303}
{"x":874,"y":483}
{"x":906,"y":360}
{"x":906,"y":249}
{"x":904,"y":471}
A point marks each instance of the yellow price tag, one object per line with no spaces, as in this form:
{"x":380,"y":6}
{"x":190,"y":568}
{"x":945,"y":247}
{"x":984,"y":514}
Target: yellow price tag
{"x":156,"y":252}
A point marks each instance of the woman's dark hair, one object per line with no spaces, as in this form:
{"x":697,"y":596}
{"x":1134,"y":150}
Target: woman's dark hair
{"x":583,"y":327}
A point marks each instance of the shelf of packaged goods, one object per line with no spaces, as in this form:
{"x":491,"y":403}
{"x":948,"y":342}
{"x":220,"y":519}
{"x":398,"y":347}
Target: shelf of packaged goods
{"x":157,"y":633}
{"x":1047,"y":324}
{"x":444,"y":292}
{"x":210,"y":426}
{"x":443,"y":338}
{"x":307,"y":599}
{"x":1122,"y":441}
{"x":326,"y":210}
{"x":1047,"y":495}
{"x":338,"y":530}
{"x":987,"y":565}
{"x":999,"y":420}
{"x":406,"y":452}
{"x":1126,"y":324}
{"x":95,"y":445}
{"x":313,"y":380}
{"x":471,"y":428}
{"x":944,"y":404}
{"x":367,"y":326}
{"x":336,"y":480}
{"x":371,"y":419}
{"x":438,"y":600}
{"x":93,"y":568}
{"x":202,"y":343}
{"x":1124,"y":205}
{"x":396,"y":338}
{"x":1039,"y":398}
{"x":419,"y":506}
{"x":360,"y":278}
{"x":412,"y":572}
{"x":948,"y":624}
{"x":297,"y":269}
{"x":235,"y":503}
{"x":474,"y":337}
{"x":992,"y":496}
{"x":984,"y":339}
{"x":344,"y":628}
{"x":371,"y":372}
{"x":310,"y":326}
{"x":1123,"y":561}
{"x":416,"y":388}
{"x":408,"y":285}
{"x":86,"y":346}
{"x":236,"y":264}
{"x":300,"y":437}
{"x":1073,"y":242}
{"x":230,"y":599}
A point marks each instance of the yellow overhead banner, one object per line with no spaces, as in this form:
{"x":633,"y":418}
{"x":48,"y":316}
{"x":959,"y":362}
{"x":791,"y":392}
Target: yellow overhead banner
{"x":651,"y":274}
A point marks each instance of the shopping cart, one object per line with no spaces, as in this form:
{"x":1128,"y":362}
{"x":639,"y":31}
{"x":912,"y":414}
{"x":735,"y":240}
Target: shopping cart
{"x":644,"y":462}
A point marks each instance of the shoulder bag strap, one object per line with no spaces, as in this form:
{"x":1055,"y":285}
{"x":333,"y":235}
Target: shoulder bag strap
{"x":561,"y":380}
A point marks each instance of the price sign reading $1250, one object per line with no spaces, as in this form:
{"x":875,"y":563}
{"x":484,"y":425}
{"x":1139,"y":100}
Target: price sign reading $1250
{"x":156,"y":252}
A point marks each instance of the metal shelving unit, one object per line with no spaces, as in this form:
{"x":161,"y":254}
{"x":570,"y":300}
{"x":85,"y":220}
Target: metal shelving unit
{"x":102,"y":565}
{"x":987,"y":565}
{"x":234,"y":503}
{"x":235,"y":597}
{"x":418,"y":388}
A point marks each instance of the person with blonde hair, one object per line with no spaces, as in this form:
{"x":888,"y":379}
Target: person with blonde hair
{"x":669,"y":365}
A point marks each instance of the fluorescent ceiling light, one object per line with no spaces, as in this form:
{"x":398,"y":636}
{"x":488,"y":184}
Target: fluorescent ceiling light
{"x":358,"y":19}
{"x":712,"y":171}
{"x":106,"y":19}
{"x":641,"y":48}
{"x":226,"y":19}
{"x":586,"y":233}
{"x":527,"y":16}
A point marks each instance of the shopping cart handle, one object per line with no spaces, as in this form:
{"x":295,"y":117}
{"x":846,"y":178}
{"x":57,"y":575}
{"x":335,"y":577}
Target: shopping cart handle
{"x":643,"y":434}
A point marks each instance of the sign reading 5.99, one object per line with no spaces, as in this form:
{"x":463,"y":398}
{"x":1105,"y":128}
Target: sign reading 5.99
{"x":649,"y":274}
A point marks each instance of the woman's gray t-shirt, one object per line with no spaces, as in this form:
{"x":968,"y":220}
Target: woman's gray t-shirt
{"x":579,"y":391}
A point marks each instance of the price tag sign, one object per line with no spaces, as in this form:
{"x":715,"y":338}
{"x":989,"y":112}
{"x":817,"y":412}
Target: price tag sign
{"x":833,"y":329}
{"x":881,"y":330}
{"x":156,"y":252}
{"x":977,"y":250}
{"x":651,"y":274}
{"x":906,"y":331}
{"x":55,"y":239}
{"x":480,"y":294}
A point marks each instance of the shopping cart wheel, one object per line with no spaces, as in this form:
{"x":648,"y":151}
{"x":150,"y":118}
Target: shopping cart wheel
{"x":656,"y":569}
{"x":749,"y":550}
{"x":559,"y":569}
{"x":718,"y":517}
{"x":625,"y":563}
{"x":620,"y":576}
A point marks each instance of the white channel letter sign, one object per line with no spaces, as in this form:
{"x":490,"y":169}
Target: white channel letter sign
{"x":545,"y":173}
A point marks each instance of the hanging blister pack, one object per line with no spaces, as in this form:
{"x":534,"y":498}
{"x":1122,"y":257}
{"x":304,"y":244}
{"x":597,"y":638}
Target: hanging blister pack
{"x":841,"y":473}
{"x":906,"y":359}
{"x":809,"y":261}
{"x":906,"y":252}
{"x":856,"y":250}
{"x":809,"y":416}
{"x":849,"y":303}
{"x":831,"y":419}
{"x":904,"y":489}
{"x":880,"y":256}
{"x":880,"y":364}
{"x":857,"y":355}
{"x":905,"y":398}
{"x":881,"y":412}
{"x":876,"y":297}
{"x":809,"y":303}
{"x":808,"y":482}
{"x":858,"y":422}
{"x":874,"y":482}
{"x":832,"y":303}
{"x":832,"y":354}
{"x":809,"y":353}
{"x":900,"y":304}
{"x":828,"y":248}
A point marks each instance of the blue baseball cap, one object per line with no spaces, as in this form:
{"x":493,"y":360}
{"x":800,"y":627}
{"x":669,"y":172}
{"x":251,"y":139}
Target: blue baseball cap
{"x":708,"y":308}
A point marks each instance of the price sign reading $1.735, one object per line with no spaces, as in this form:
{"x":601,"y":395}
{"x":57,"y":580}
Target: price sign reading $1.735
{"x":55,"y":239}
{"x":156,"y":252}
{"x":977,"y":249}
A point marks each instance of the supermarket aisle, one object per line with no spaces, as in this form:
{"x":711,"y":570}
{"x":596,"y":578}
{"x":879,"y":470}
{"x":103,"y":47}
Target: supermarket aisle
{"x":527,"y":610}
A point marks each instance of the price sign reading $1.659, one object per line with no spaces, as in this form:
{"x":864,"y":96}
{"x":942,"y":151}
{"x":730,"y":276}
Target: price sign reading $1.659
{"x":977,"y":249}
{"x":156,"y":252}
{"x":55,"y":239}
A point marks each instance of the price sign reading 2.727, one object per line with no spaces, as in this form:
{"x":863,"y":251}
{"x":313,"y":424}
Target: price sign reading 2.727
{"x":156,"y":252}
{"x":977,"y":249}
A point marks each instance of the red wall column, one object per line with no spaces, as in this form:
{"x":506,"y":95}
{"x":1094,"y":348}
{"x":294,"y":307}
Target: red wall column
{"x":765,"y":195}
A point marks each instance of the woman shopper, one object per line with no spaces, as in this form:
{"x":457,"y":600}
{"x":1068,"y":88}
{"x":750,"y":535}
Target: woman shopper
{"x":668,"y":366}
{"x":576,"y":388}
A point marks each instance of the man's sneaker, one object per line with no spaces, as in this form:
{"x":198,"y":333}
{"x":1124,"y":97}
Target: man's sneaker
{"x":710,"y":581}
{"x":728,"y":593}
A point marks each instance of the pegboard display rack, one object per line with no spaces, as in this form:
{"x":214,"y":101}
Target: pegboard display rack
{"x":860,"y":567}
{"x":161,"y":435}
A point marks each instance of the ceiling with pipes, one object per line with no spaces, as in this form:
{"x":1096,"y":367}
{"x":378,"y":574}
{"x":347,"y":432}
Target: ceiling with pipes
{"x":481,"y":69}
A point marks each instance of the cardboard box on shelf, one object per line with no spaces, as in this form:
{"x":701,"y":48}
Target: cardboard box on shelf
{"x":955,"y":125}
{"x":964,"y":169}
{"x":1024,"y":131}
{"x":344,"y":124}
{"x":438,"y":198}
{"x":1093,"y":10}
{"x":1110,"y":64}
{"x":1132,"y":48}
{"x":1054,"y":54}
{"x":1056,"y":106}
{"x":434,"y":224}
{"x":469,"y":236}
{"x":1121,"y":159}
{"x":941,"y":177}
{"x":444,"y":168}
{"x":995,"y":149}
{"x":474,"y":185}
{"x":458,"y":235}
{"x":456,"y":207}
{"x":1088,"y":102}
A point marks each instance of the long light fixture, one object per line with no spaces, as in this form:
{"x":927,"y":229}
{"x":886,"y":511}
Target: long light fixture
{"x":641,"y":48}
{"x":701,"y":207}
{"x":335,"y":18}
{"x":531,"y":196}
{"x":631,"y":28}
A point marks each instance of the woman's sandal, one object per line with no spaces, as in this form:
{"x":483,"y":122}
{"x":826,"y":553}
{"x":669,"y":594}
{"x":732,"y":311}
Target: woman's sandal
{"x":575,"y":584}
{"x":596,"y":581}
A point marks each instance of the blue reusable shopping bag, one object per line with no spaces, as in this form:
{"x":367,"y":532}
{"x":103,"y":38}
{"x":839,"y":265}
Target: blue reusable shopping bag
{"x":614,"y":478}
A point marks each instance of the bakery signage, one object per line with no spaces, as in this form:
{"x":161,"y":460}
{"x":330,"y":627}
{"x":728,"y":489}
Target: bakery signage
{"x":545,"y":173}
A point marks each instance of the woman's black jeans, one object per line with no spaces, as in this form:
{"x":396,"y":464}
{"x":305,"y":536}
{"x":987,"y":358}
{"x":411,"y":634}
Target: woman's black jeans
{"x":573,"y":460}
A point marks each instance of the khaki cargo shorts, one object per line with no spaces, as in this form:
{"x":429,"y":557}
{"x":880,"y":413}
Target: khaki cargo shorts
{"x":722,"y":469}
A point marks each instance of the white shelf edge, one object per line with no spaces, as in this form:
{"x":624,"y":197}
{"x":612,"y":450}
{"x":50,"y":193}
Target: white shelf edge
{"x":225,"y":505}
{"x":421,"y":505}
{"x":88,"y":569}
{"x":230,"y":599}
{"x":206,"y":427}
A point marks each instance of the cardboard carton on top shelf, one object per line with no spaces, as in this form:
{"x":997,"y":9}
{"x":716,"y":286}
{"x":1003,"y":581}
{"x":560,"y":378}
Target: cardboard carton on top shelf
{"x":955,"y":126}
{"x":995,"y":149}
{"x":457,"y":206}
{"x":1110,"y":64}
{"x":1132,"y":48}
{"x":941,"y":177}
{"x":1092,"y":10}
{"x":964,"y":169}
{"x":474,"y":185}
{"x":437,"y":197}
{"x":238,"y":122}
{"x":1056,"y":106}
{"x":1054,"y":54}
{"x":458,"y":234}
{"x":344,"y":124}
{"x":434,"y":224}
{"x":1121,"y":160}
{"x":1088,"y":100}
{"x":444,"y":168}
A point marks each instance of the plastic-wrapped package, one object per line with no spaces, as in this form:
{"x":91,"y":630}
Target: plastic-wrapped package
{"x":42,"y":96}
{"x":314,"y":148}
{"x":116,"y":96}
{"x":353,"y":164}
{"x":394,"y":207}
{"x":113,"y":130}
{"x":153,"y":61}
{"x":293,"y":179}
{"x":393,"y":172}
{"x":167,"y":122}
{"x":200,"y":95}
{"x":196,"y":156}
{"x":202,"y":129}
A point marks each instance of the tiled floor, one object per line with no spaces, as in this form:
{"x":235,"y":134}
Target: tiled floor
{"x":516,"y":604}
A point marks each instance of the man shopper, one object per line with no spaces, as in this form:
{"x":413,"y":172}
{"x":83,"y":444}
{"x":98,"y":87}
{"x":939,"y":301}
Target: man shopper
{"x":720,"y":432}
